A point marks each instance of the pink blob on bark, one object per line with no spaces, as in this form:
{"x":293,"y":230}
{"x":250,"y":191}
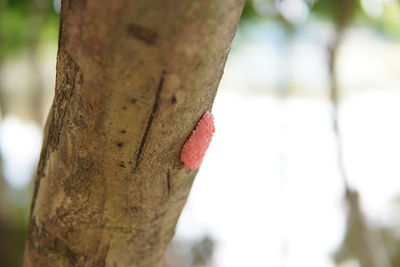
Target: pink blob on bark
{"x":195,"y":147}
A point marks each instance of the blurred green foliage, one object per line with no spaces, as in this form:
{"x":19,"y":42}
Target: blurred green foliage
{"x":389,"y":24}
{"x":339,"y":11}
{"x":383,"y":16}
{"x":249,"y":12}
{"x":23,"y":22}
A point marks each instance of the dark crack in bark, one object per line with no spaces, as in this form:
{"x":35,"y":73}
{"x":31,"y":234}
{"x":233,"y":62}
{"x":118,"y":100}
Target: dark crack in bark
{"x":143,"y":34}
{"x":156,"y":103}
{"x":169,"y":183}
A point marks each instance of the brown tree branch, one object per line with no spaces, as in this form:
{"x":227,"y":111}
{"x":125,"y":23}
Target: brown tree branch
{"x":114,"y":134}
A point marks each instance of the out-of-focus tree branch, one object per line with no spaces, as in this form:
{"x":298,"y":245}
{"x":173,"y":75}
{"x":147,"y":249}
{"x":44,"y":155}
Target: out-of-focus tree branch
{"x":360,"y":240}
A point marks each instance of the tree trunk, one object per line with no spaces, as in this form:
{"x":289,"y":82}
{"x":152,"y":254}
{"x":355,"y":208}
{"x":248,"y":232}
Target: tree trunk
{"x":133,"y":79}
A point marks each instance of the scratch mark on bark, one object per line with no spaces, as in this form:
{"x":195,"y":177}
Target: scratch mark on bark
{"x":156,"y":103}
{"x":169,"y":183}
{"x":102,"y":258}
{"x":184,"y":198}
{"x":144,"y":34}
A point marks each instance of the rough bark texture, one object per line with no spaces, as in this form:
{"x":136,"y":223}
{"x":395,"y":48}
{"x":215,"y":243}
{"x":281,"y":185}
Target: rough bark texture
{"x":133,"y":79}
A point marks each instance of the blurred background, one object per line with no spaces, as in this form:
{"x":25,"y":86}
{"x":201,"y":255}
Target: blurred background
{"x":303,"y":169}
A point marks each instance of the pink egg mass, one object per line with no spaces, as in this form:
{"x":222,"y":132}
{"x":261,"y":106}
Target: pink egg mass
{"x":196,"y":145}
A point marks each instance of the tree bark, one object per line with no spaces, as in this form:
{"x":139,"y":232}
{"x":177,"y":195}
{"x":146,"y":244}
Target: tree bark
{"x":133,"y":79}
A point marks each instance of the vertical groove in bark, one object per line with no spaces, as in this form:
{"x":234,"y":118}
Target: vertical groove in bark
{"x":156,"y":103}
{"x":110,"y":186}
